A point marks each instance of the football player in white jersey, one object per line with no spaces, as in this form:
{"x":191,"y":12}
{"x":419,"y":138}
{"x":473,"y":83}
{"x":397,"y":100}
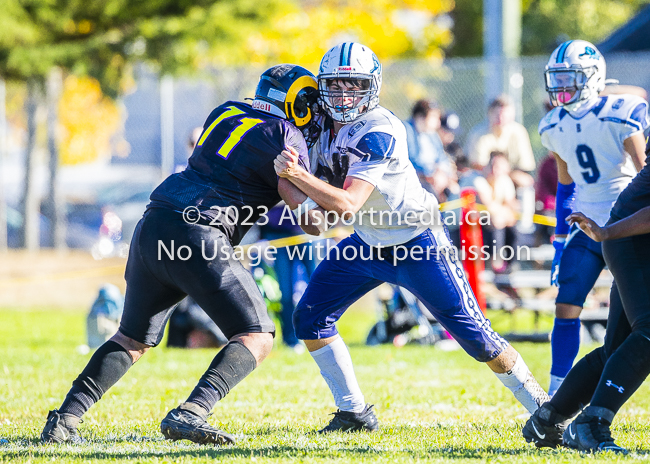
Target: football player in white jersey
{"x":398,"y":238}
{"x":599,"y":146}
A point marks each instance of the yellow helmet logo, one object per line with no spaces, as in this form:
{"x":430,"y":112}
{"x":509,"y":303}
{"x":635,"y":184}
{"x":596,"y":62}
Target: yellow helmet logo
{"x":298,"y":85}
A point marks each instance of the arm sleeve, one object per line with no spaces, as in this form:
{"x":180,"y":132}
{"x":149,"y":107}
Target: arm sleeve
{"x":293,"y":138}
{"x":563,"y":206}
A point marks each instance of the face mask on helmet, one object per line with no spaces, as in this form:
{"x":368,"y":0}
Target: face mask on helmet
{"x":347,"y":99}
{"x":575,"y":73}
{"x":566,"y":86}
{"x":349,"y":81}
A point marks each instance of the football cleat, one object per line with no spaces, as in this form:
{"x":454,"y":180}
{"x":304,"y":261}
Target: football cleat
{"x":591,"y":433}
{"x":346,"y":421}
{"x":545,"y":427}
{"x":61,"y":428}
{"x":182,"y":424}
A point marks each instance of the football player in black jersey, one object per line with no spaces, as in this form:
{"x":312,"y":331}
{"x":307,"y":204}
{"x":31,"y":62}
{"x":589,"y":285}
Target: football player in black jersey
{"x":608,"y":376}
{"x":184,"y":243}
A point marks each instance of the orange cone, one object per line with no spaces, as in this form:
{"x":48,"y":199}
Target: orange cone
{"x":471,"y":237}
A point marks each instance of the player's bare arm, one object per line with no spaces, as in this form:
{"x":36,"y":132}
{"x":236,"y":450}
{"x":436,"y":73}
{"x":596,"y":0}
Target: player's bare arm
{"x":354,"y":194}
{"x":635,"y":147}
{"x":314,"y":223}
{"x":637,"y":224}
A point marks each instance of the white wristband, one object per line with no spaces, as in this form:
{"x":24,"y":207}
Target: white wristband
{"x":305,"y":206}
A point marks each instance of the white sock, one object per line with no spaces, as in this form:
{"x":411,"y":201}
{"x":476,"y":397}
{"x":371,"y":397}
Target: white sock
{"x":555,"y":384}
{"x":336,"y":368}
{"x":523,"y":385}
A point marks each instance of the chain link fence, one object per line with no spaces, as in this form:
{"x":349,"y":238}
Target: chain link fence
{"x":458,"y":85}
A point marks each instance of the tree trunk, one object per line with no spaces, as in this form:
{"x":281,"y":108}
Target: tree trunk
{"x":54,"y":205}
{"x":29,"y":204}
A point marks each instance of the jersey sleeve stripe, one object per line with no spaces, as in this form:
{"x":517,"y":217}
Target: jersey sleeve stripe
{"x":544,"y":129}
{"x":622,"y":121}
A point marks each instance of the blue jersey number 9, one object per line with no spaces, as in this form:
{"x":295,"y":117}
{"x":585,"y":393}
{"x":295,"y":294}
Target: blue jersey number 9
{"x":587,"y":160}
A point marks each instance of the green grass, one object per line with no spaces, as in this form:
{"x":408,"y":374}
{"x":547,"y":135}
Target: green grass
{"x":433,"y":406}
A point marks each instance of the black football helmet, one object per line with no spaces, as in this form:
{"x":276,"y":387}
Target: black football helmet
{"x":290,"y":92}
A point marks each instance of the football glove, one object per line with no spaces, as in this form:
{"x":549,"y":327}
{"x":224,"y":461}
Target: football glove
{"x":558,"y":244}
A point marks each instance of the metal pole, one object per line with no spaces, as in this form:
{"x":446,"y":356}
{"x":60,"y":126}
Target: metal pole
{"x":54,"y":202}
{"x":166,"y":126}
{"x":30,"y":202}
{"x":3,"y":152}
{"x":501,"y":48}
{"x":493,"y":48}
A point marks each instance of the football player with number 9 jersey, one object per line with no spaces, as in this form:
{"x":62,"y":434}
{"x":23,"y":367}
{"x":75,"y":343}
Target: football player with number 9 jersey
{"x":598,"y":143}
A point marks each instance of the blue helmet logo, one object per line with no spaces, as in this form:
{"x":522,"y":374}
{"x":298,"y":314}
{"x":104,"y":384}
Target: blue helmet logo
{"x":375,"y":63}
{"x":589,"y":53}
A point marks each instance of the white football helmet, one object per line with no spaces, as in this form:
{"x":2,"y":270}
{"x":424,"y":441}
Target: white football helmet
{"x":352,"y":62}
{"x":574,"y":74}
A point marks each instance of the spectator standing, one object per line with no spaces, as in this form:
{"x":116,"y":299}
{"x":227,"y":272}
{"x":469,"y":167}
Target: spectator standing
{"x":502,"y":133}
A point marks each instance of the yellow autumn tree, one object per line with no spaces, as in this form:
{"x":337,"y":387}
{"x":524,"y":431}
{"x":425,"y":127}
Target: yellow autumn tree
{"x":302,"y":31}
{"x":88,"y":120}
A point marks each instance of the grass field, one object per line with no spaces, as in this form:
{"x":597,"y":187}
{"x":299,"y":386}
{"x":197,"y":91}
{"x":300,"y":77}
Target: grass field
{"x":433,"y":406}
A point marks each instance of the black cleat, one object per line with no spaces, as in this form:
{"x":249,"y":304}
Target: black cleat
{"x":545,"y":427}
{"x":345,"y":421}
{"x":182,"y":424}
{"x":61,"y":428}
{"x":590,"y":432}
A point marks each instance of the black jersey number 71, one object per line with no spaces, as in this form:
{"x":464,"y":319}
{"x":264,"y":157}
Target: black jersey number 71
{"x":234,"y":137}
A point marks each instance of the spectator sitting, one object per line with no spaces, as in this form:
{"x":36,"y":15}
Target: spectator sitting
{"x":191,"y":327}
{"x":449,"y":124}
{"x":426,"y":150}
{"x":503,"y":207}
{"x":545,"y":190}
{"x":467,"y":178}
{"x":502,"y":133}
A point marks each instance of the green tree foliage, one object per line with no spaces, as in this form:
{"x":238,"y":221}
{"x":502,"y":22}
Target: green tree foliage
{"x":102,"y":37}
{"x":545,"y":23}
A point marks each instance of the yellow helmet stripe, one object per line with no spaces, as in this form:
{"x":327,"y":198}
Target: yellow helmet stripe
{"x":292,"y":93}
